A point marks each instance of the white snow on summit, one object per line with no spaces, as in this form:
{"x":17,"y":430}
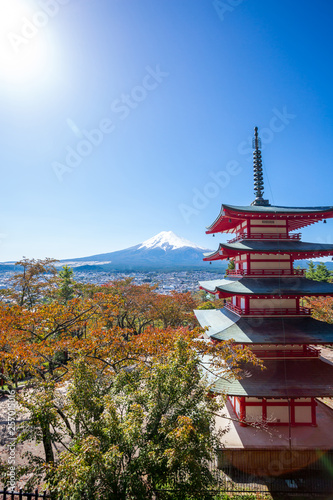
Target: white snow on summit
{"x":167,"y":239}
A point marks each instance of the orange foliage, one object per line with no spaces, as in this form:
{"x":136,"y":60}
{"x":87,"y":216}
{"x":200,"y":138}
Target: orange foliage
{"x":42,"y":340}
{"x":322,"y":308}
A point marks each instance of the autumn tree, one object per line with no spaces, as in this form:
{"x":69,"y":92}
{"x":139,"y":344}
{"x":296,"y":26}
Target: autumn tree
{"x":200,"y":296}
{"x":141,"y":306}
{"x":174,"y":310}
{"x":129,"y":395}
{"x":35,"y":336}
{"x":321,"y":308}
{"x":135,"y":304}
{"x":34,"y":283}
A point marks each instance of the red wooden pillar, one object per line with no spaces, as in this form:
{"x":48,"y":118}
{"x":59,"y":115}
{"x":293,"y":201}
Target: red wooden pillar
{"x":242,"y":411}
{"x":264,"y":409}
{"x":297,"y":305}
{"x":313,"y":412}
{"x":247,"y":305}
{"x":292,"y":411}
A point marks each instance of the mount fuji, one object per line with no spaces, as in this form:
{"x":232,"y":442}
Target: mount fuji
{"x":167,"y":240}
{"x":165,"y":251}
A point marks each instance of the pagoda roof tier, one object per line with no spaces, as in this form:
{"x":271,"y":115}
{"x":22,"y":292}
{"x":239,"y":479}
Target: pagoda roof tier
{"x":297,"y":249}
{"x":225,"y":325}
{"x":281,"y":378}
{"x":231,"y":216}
{"x":272,"y":287}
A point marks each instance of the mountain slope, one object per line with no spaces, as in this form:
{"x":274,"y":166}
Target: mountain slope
{"x":163,"y":251}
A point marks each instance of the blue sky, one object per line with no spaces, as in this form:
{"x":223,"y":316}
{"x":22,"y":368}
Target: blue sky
{"x":124,"y":118}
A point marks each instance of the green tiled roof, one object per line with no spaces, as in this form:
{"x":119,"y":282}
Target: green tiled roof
{"x":297,"y":216}
{"x":224,"y":325}
{"x":282,"y":378}
{"x":273,"y":246}
{"x":268,"y":286}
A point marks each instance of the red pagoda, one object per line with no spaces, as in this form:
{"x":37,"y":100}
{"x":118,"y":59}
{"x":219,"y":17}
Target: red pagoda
{"x":263,"y":310}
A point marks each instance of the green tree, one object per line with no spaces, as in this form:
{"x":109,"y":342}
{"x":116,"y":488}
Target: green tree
{"x":206,"y":305}
{"x":231,"y":267}
{"x":322,"y":273}
{"x":231,"y":264}
{"x":310,"y":273}
{"x":319,"y":272}
{"x":42,"y":417}
{"x":149,"y":432}
{"x":200,"y":296}
{"x":66,"y":284}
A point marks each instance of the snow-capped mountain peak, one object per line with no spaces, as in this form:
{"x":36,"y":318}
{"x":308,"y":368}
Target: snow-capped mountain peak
{"x":167,"y":240}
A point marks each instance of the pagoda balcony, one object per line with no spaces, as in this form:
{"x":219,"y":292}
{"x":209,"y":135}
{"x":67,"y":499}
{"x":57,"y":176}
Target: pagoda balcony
{"x":265,"y":272}
{"x":302,"y":311}
{"x":307,"y":352}
{"x":266,"y":236}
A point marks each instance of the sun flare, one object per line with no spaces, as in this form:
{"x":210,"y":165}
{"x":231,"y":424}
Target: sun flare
{"x":22,"y":51}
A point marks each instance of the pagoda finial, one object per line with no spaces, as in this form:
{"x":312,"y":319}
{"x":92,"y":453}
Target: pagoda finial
{"x":257,"y":171}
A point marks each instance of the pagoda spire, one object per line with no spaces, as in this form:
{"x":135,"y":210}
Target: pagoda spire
{"x":257,"y":171}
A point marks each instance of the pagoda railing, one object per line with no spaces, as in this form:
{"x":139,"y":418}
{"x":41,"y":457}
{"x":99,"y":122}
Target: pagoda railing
{"x":308,"y":352}
{"x":266,"y":236}
{"x":234,"y":308}
{"x":266,"y":272}
{"x":302,"y":311}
